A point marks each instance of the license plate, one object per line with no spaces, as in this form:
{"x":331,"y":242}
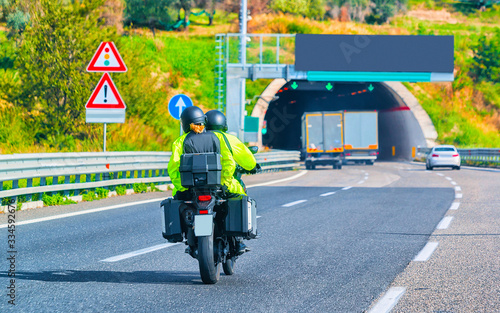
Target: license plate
{"x":203,"y":225}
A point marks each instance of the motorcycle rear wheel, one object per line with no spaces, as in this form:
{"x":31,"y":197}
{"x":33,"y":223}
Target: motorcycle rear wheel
{"x":207,"y":260}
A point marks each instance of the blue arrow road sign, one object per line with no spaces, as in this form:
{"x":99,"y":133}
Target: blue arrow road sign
{"x":177,"y":104}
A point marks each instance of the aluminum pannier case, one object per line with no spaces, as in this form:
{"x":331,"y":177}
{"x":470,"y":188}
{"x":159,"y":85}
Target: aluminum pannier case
{"x":241,"y":219}
{"x":201,"y":169}
{"x":171,"y":219}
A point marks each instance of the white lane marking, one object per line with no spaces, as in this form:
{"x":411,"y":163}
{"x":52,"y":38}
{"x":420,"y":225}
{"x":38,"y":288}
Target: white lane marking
{"x":458,"y":196}
{"x":448,"y":178}
{"x":302,"y":173}
{"x":453,"y":183}
{"x":367,"y":174}
{"x":457,"y":188}
{"x":347,"y":188}
{"x":327,"y":194}
{"x":439,"y":174}
{"x":445,"y":222}
{"x":360,"y":182}
{"x":139,"y":252}
{"x":426,"y":252}
{"x":112,"y":207}
{"x":293,"y":203}
{"x":454,"y":206}
{"x":389,"y":300}
{"x":258,"y":216}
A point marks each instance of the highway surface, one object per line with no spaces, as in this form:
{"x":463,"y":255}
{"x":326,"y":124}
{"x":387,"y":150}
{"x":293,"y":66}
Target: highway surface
{"x":362,"y":239}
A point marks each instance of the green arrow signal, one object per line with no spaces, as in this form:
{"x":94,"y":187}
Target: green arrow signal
{"x":371,"y":87}
{"x":294,"y":85}
{"x":329,"y":87}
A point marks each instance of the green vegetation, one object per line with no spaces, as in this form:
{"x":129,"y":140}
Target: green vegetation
{"x":44,"y":85}
{"x":56,"y":199}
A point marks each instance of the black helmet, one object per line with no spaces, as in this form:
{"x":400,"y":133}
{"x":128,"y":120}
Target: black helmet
{"x":216,"y":120}
{"x":192,"y":115}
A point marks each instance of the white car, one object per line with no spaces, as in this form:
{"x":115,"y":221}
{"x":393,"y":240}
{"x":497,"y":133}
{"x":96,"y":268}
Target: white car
{"x":443,"y":156}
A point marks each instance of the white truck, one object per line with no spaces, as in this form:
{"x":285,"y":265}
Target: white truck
{"x":322,"y":139}
{"x":361,"y":136}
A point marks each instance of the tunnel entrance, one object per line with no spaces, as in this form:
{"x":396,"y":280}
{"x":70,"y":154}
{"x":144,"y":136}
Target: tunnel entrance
{"x":397,"y":126}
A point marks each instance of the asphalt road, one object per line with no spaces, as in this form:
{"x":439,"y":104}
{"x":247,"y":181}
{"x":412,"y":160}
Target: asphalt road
{"x":324,"y":247}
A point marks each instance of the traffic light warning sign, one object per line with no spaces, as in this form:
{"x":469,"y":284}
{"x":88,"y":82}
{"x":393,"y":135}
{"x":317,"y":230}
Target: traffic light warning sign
{"x":107,"y":59}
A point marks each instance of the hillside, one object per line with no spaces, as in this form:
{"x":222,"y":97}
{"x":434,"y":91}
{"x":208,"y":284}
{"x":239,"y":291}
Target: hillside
{"x":466,"y":112}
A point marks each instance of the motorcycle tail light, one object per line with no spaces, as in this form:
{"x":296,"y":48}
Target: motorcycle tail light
{"x":205,"y":198}
{"x":435,"y":155}
{"x":203,"y":211}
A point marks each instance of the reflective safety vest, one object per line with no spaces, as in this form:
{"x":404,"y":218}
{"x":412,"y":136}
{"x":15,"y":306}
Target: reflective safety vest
{"x":228,"y":165}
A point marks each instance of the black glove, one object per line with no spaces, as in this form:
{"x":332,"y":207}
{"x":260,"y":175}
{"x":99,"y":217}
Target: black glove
{"x":256,"y":169}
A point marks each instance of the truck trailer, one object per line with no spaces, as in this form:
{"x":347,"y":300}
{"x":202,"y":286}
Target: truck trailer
{"x":361,"y":136}
{"x":322,"y":139}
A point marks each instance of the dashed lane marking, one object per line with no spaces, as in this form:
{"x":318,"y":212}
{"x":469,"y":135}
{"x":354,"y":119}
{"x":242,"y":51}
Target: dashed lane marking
{"x":389,"y":300}
{"x":361,"y":182}
{"x":457,"y":188}
{"x":347,"y":188}
{"x":458,"y":196}
{"x":448,"y":178}
{"x":445,"y":222}
{"x":439,"y":174}
{"x":453,"y":183}
{"x":327,"y":194}
{"x":454,"y":206}
{"x":139,"y":252}
{"x":426,"y":252}
{"x":293,"y":203}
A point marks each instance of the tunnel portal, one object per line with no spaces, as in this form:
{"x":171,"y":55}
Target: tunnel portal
{"x":397,"y":126}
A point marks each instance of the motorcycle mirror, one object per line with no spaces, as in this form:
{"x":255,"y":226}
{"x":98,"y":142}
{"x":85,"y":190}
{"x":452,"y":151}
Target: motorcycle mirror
{"x":254,"y":149}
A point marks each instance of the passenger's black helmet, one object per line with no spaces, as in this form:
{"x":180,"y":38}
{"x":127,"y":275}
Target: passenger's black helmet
{"x":192,"y":115}
{"x":216,"y":120}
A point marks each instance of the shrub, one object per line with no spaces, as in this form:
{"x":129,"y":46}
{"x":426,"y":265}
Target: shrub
{"x":121,"y":190}
{"x":140,"y":187}
{"x":102,"y":193}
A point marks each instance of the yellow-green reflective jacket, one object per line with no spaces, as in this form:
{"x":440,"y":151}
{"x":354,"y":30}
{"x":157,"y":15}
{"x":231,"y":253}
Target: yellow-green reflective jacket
{"x":228,"y":165}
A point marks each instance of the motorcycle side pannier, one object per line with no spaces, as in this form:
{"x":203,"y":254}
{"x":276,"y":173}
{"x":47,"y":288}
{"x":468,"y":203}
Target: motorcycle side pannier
{"x":171,"y":219}
{"x":202,"y":169}
{"x":241,"y":219}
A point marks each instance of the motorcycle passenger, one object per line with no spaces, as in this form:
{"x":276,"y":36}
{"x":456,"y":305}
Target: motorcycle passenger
{"x":216,"y":122}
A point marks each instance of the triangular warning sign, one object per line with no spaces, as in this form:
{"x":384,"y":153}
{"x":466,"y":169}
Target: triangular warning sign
{"x":105,"y":95}
{"x":107,"y":59}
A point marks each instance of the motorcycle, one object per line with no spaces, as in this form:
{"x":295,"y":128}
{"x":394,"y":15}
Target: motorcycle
{"x":212,"y":221}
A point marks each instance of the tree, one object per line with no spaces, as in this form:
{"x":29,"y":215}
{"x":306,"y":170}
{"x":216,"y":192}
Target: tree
{"x":308,"y":8}
{"x":55,"y":50}
{"x":154,"y":14}
{"x":486,"y":63}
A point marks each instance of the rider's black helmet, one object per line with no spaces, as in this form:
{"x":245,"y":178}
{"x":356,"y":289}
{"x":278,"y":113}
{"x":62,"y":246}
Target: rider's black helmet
{"x":216,"y":120}
{"x":192,"y":115}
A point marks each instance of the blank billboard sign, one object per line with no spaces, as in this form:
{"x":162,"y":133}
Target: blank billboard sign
{"x":374,"y":53}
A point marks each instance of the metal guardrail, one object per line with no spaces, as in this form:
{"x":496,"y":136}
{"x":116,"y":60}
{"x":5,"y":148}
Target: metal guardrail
{"x":486,"y":155}
{"x":73,"y":171}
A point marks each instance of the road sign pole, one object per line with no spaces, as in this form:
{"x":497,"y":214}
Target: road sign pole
{"x":104,"y":146}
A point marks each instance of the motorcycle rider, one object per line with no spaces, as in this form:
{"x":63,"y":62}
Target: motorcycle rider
{"x":216,"y":122}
